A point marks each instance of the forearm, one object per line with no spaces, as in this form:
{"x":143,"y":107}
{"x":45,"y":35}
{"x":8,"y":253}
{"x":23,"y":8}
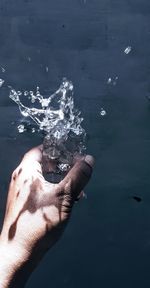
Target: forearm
{"x":14,"y":269}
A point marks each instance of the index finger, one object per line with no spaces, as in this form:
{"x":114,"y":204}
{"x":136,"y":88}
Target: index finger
{"x":34,"y":155}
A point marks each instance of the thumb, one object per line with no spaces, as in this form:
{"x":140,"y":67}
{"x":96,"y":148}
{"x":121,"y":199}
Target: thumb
{"x":78,"y":176}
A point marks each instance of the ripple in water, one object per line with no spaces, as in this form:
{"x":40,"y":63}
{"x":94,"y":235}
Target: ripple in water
{"x":57,"y":119}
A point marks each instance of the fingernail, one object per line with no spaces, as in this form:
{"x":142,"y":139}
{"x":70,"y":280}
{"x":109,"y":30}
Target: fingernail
{"x":89,"y":160}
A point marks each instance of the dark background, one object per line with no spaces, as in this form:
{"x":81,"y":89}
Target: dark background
{"x":107,"y":243}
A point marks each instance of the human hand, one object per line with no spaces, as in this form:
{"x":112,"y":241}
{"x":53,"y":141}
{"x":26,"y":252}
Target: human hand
{"x":37,"y":211}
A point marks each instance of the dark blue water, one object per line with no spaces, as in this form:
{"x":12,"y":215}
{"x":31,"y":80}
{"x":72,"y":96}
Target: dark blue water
{"x":107,"y":243}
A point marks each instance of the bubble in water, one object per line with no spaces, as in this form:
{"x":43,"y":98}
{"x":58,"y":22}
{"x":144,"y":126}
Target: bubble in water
{"x":1,"y":82}
{"x":47,"y":69}
{"x":57,"y":119}
{"x":128,"y":50}
{"x":103,"y":112}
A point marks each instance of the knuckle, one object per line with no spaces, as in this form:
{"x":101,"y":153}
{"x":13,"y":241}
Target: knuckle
{"x":66,"y":209}
{"x":67,"y":204}
{"x":68,"y":187}
{"x":59,"y":193}
{"x":14,"y":175}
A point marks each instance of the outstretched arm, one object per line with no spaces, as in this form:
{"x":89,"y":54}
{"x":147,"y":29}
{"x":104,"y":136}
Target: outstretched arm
{"x":37,"y":213}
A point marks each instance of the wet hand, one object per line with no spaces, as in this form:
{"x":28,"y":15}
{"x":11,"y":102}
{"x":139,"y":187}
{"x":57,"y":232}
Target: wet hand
{"x":37,"y":211}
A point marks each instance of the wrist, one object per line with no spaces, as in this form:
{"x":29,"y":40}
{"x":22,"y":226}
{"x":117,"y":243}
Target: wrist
{"x":14,"y":270}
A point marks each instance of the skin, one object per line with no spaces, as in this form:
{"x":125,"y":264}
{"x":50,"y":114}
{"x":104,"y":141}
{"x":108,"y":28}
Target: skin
{"x":37,"y":213}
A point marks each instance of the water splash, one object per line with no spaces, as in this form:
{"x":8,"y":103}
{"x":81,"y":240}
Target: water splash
{"x":57,"y":119}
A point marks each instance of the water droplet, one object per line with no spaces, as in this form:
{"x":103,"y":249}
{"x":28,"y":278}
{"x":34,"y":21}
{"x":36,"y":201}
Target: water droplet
{"x":33,"y":130}
{"x":1,"y":82}
{"x":45,"y":102}
{"x":112,"y":81}
{"x":33,"y":99}
{"x":21,"y":128}
{"x":128,"y":50}
{"x":63,"y":167}
{"x":19,"y":93}
{"x":25,"y":113}
{"x":3,"y":69}
{"x":84,"y":195}
{"x":109,"y":80}
{"x":31,"y":93}
{"x":58,"y":134}
{"x":115,"y":81}
{"x":103,"y":112}
{"x":26,"y":93}
{"x":47,"y":69}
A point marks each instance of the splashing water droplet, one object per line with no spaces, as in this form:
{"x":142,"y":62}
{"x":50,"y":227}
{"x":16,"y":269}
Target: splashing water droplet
{"x":1,"y":82}
{"x":29,"y":59}
{"x":33,"y":130}
{"x":128,"y":50}
{"x":85,"y":195}
{"x":56,"y":118}
{"x":63,"y":167}
{"x":112,"y":81}
{"x":45,"y":103}
{"x":26,"y":93}
{"x":21,"y":128}
{"x":109,"y":80}
{"x":3,"y":69}
{"x":19,"y":93}
{"x":115,"y":81}
{"x":103,"y":112}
